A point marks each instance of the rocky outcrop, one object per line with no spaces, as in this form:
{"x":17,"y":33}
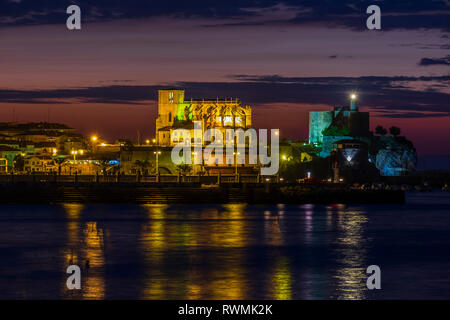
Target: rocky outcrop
{"x":394,"y":156}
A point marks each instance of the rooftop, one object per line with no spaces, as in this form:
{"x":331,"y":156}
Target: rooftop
{"x":33,"y":126}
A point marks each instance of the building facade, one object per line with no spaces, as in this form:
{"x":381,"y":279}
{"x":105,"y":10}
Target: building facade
{"x":175,"y":112}
{"x":344,"y":122}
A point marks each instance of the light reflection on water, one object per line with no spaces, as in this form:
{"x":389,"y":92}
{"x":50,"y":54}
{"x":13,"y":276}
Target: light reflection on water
{"x":196,"y":252}
{"x":204,"y":254}
{"x":350,"y":276}
{"x":85,"y":248}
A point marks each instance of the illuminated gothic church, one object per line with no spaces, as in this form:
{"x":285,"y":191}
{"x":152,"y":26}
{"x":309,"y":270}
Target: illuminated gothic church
{"x":174,"y":112}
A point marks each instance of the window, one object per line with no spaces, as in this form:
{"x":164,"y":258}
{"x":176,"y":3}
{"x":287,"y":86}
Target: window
{"x":227,"y":121}
{"x":170,"y":116}
{"x":170,"y":97}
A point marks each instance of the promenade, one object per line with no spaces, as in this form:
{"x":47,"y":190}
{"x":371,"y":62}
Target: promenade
{"x":169,"y":189}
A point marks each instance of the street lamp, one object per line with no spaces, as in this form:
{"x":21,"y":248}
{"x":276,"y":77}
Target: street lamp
{"x":235,"y":162}
{"x":147,"y":141}
{"x":94,"y":141}
{"x":194,"y":154}
{"x":74,"y":152}
{"x":157,"y":153}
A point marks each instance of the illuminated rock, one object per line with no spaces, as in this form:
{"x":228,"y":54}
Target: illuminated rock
{"x":395,"y":157}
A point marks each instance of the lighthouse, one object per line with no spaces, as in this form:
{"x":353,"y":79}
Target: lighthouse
{"x":353,"y":106}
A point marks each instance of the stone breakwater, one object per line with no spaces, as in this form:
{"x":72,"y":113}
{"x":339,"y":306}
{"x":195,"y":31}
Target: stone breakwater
{"x":45,"y":193}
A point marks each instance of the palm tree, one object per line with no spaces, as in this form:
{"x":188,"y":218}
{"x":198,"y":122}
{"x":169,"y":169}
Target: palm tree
{"x":142,"y":165}
{"x":104,"y":162}
{"x":184,"y":168}
{"x":19,"y":163}
{"x":59,"y":161}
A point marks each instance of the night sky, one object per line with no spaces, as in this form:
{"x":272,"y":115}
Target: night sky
{"x":282,"y":58}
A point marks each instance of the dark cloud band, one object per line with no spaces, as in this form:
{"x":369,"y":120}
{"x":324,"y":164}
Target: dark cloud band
{"x":384,"y":94}
{"x":412,"y":14}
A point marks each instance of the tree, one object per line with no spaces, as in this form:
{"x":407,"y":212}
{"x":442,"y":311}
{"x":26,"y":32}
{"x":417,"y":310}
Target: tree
{"x":395,"y":131}
{"x":59,"y":161}
{"x":19,"y":163}
{"x":336,"y":131}
{"x":184,"y":168}
{"x":143,"y":165}
{"x":380,"y":130}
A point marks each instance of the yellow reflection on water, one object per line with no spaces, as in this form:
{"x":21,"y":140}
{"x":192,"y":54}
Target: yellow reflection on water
{"x":70,"y":251}
{"x":161,"y":239}
{"x":194,"y":291}
{"x":350,"y":275}
{"x":232,"y":232}
{"x":282,"y":279}
{"x":85,"y":248}
{"x":73,"y":212}
{"x":94,"y":282}
{"x":152,"y":244}
{"x":235,"y":207}
{"x":229,"y":280}
{"x":153,"y":232}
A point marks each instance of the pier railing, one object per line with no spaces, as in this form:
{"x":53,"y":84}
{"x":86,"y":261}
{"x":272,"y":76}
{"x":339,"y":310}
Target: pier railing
{"x":161,"y":178}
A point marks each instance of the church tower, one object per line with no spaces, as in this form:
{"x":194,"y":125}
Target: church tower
{"x":169,"y":101}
